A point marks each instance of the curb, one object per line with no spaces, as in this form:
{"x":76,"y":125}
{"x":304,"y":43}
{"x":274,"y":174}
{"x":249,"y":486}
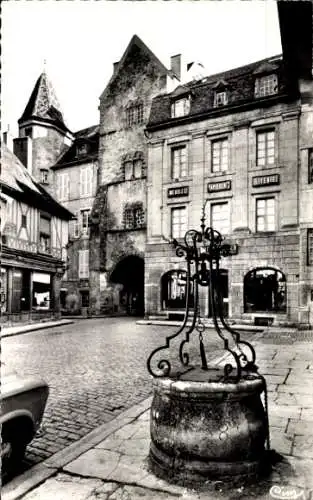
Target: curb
{"x":23,"y":484}
{"x":34,"y":327}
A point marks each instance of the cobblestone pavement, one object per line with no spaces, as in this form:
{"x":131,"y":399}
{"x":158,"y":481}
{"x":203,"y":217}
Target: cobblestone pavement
{"x":95,"y":369}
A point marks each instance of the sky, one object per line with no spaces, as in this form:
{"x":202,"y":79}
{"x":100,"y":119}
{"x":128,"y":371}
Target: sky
{"x":78,"y":41}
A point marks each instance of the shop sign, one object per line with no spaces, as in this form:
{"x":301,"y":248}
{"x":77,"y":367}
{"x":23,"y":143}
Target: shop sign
{"x":213,"y":187}
{"x":178,"y":191}
{"x":265,"y":180}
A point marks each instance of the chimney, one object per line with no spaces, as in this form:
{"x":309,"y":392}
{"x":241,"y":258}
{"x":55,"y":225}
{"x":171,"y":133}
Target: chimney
{"x":8,"y":139}
{"x":176,"y":65}
{"x":115,"y":66}
{"x":22,"y":148}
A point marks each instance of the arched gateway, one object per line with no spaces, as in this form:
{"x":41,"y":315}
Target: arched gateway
{"x":129,"y":273}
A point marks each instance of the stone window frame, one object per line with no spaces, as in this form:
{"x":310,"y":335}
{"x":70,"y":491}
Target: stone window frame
{"x":219,"y":202}
{"x":134,"y":113}
{"x":182,"y":228}
{"x":261,"y":131}
{"x":263,"y":197}
{"x":223,"y":133}
{"x":310,"y":247}
{"x":179,"y":147}
{"x":131,"y":211}
{"x":220,"y":141}
{"x":133,"y":158}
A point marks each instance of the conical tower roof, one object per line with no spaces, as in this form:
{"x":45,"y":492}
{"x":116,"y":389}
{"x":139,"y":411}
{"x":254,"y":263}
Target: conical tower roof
{"x":43,"y":104}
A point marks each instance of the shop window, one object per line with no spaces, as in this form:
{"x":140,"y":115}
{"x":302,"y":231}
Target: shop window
{"x":178,"y":162}
{"x":265,"y":148}
{"x":4,"y":289}
{"x":219,"y":155}
{"x":44,"y":234}
{"x":265,"y":291}
{"x":41,"y":291}
{"x":178,"y":222}
{"x":174,"y":288}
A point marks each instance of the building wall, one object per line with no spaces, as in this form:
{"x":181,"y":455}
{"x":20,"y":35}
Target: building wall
{"x":139,"y":80}
{"x":75,"y":202}
{"x":278,"y":249}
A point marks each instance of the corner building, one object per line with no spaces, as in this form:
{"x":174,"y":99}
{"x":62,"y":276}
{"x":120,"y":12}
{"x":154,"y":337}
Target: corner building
{"x":237,"y":143}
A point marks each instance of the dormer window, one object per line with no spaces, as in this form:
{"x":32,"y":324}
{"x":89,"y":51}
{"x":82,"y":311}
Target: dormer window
{"x":180,"y":107}
{"x":220,"y":98}
{"x":81,"y":149}
{"x":266,"y":85}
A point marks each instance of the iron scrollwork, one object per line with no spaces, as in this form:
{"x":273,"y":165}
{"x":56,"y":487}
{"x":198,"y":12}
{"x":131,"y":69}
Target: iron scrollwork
{"x":202,"y":251}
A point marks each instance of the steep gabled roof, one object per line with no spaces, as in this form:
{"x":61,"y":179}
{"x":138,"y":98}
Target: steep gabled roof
{"x":43,"y":104}
{"x":135,"y":41}
{"x":16,"y":181}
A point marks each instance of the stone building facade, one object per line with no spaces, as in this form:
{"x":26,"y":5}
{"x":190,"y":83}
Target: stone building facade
{"x":119,"y":217}
{"x":75,"y":178}
{"x":235,"y":145}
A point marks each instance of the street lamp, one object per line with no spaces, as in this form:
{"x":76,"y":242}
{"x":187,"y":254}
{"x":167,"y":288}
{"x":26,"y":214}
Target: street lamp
{"x":208,"y":421}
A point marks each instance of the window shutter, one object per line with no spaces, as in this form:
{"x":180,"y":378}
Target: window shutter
{"x":83,"y":263}
{"x":82,"y":184}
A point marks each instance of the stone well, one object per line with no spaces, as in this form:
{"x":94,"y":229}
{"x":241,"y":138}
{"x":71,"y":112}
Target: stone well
{"x":204,"y":429}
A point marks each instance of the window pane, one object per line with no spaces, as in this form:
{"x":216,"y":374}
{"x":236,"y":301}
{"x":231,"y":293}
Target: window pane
{"x":179,"y":222}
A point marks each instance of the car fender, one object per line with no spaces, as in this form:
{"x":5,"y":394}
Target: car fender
{"x":16,"y":415}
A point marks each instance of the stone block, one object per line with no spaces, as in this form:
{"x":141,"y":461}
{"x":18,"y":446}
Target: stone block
{"x":303,"y":446}
{"x":64,"y":487}
{"x":300,"y":427}
{"x":280,"y":441}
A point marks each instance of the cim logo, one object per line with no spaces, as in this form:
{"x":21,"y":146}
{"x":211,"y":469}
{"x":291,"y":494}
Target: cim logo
{"x":287,"y":492}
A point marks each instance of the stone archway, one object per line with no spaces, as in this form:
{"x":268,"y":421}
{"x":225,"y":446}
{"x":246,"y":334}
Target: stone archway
{"x":129,"y":274}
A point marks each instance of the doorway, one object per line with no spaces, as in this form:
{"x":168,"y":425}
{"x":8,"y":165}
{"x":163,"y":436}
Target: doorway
{"x":129,"y":272}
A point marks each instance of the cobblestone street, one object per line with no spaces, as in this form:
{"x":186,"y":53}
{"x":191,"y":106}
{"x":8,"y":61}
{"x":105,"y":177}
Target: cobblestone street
{"x":95,"y":369}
